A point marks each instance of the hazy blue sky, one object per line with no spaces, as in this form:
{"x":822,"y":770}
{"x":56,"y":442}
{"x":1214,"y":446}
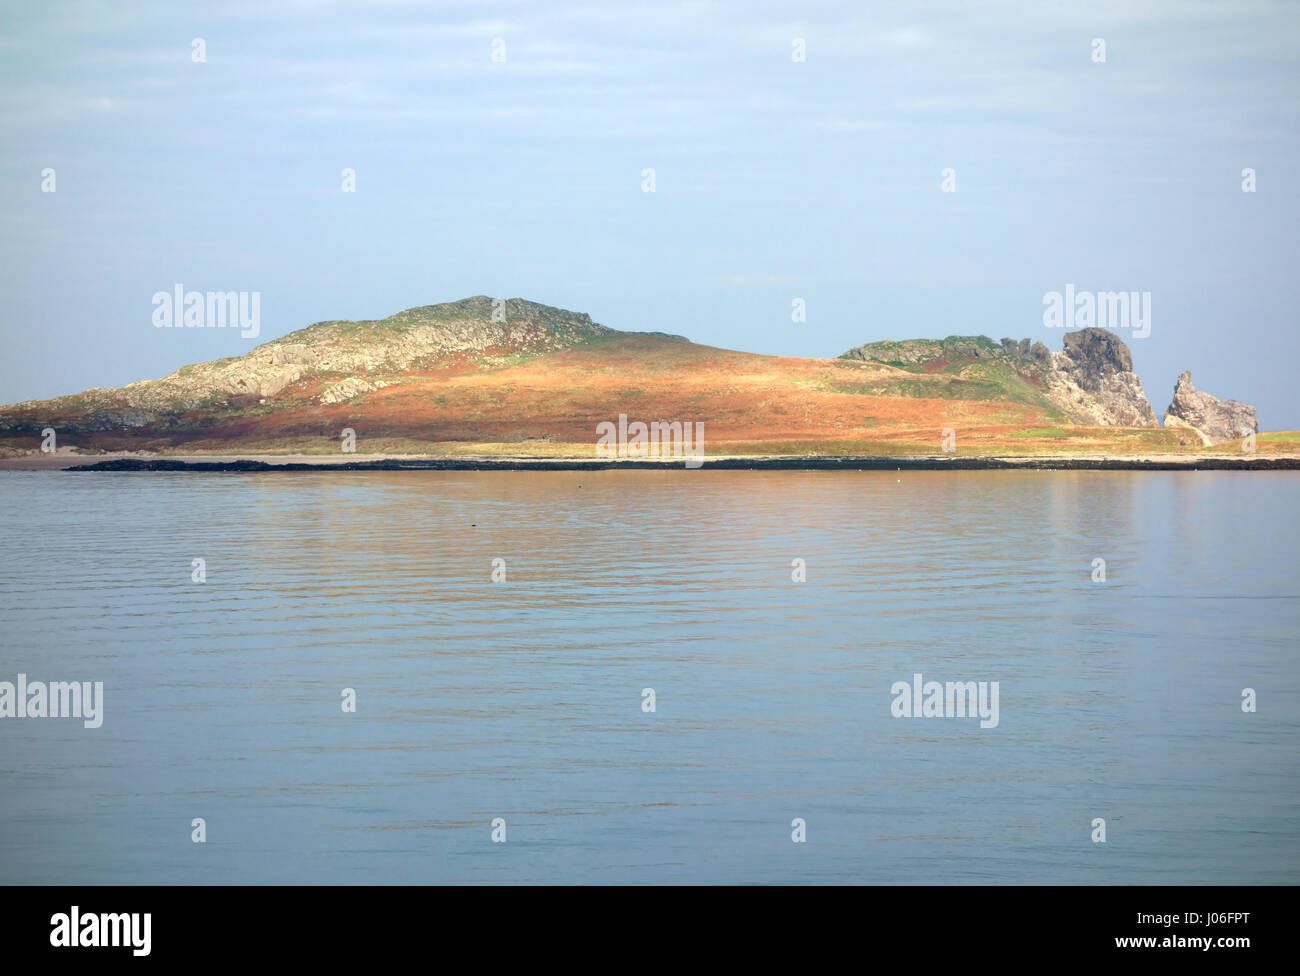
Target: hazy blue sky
{"x":774,"y":179}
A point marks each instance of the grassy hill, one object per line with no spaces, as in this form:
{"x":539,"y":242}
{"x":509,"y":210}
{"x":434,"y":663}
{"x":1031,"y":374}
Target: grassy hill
{"x":447,"y":379}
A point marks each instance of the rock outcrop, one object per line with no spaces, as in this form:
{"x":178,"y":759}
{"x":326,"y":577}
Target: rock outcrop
{"x":1092,"y":380}
{"x":349,"y":389}
{"x":1215,"y":420}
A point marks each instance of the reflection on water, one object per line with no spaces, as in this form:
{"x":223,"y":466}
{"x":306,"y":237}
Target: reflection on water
{"x":522,"y":699}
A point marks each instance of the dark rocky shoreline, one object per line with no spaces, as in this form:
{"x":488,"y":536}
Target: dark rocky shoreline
{"x":848,"y":463}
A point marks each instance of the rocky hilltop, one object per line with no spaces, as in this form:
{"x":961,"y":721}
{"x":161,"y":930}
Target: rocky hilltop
{"x":350,"y":358}
{"x":1091,"y":380}
{"x":1214,"y":420}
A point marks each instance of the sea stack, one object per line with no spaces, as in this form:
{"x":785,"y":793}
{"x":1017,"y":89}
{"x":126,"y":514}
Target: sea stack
{"x":1215,"y":420}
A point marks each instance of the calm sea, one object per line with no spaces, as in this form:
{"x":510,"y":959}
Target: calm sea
{"x":523,"y":699}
